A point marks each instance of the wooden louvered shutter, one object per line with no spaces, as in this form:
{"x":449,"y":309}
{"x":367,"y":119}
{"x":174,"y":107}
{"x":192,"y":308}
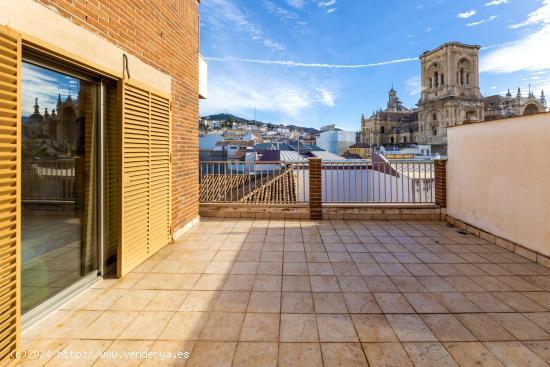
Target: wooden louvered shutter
{"x":10,"y":207}
{"x":146,"y":176}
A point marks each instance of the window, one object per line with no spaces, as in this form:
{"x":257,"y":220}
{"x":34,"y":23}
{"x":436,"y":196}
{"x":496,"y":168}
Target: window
{"x":434,"y":117}
{"x":442,"y":79}
{"x":404,"y":139}
{"x":391,"y":140}
{"x":382,"y":129}
{"x":435,"y":132}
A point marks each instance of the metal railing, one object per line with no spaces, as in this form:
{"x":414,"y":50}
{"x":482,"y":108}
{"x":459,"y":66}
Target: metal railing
{"x":343,"y":182}
{"x":48,"y":181}
{"x":378,"y":182}
{"x":243,"y":182}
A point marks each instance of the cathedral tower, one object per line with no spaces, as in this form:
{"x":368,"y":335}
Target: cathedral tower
{"x":450,"y":90}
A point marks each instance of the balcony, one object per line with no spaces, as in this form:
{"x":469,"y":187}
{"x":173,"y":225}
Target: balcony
{"x":428,"y":263}
{"x":304,"y":293}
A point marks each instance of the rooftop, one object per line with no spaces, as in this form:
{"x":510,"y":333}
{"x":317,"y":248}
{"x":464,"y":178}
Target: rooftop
{"x":304,"y":293}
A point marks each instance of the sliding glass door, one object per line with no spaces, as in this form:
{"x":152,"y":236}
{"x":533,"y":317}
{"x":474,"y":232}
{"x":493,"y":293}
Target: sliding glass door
{"x":60,"y":168}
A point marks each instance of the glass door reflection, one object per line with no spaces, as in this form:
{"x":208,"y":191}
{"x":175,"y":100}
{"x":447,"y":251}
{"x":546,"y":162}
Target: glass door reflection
{"x":59,"y":165}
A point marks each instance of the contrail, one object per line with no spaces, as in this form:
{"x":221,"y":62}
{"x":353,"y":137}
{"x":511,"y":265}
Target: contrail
{"x":310,"y":65}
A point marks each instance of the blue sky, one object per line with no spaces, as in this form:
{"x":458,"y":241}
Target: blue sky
{"x":46,"y":85}
{"x":316,"y":62}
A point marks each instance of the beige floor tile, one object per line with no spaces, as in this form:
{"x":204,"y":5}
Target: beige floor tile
{"x":236,"y":282}
{"x":343,"y":354}
{"x":386,"y":355}
{"x":264,"y":302}
{"x":155,"y":281}
{"x":49,"y":348}
{"x":424,"y":303}
{"x":320,"y":268}
{"x":329,"y":303}
{"x":380,"y":284}
{"x":109,"y":325}
{"x":199,"y":301}
{"x":300,"y":355}
{"x":472,"y":354}
{"x":447,"y":328}
{"x":268,"y":283}
{"x":373,"y":328}
{"x":336,"y":328}
{"x":218,"y":354}
{"x":456,"y":302}
{"x":298,"y":328}
{"x":297,"y":302}
{"x":514,"y":354}
{"x":361,"y":303}
{"x":352,"y":283}
{"x":232,"y":301}
{"x":410,"y":328}
{"x":210,"y":282}
{"x":166,"y":301}
{"x":408,"y":284}
{"x":293,"y":283}
{"x":181,"y":349}
{"x":322,"y":283}
{"x":520,"y":326}
{"x":74,"y":351}
{"x":484,"y":327}
{"x":429,"y":355}
{"x":133,"y":300}
{"x":184,"y":326}
{"x":519,"y":302}
{"x":119,"y":347}
{"x":222,"y":326}
{"x":270,"y":268}
{"x":295,"y":268}
{"x":260,"y":327}
{"x":393,"y":303}
{"x":64,"y":324}
{"x":542,"y":319}
{"x":147,"y":325}
{"x":540,"y":348}
{"x":488,"y":302}
{"x":256,"y":354}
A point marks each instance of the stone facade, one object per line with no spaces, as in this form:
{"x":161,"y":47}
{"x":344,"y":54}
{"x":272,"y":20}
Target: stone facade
{"x":450,"y":96}
{"x":163,"y":34}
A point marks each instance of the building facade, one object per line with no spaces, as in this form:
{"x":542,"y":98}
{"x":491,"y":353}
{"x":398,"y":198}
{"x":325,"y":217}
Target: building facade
{"x":335,"y":140}
{"x":99,"y":144}
{"x":450,"y":96}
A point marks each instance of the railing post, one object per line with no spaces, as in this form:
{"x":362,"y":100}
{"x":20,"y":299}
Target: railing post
{"x":440,"y":169}
{"x":315,"y":189}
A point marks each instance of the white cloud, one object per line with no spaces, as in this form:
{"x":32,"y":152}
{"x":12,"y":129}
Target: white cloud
{"x":326,"y":97}
{"x":326,"y":4}
{"x":541,"y":15}
{"x":294,"y":98}
{"x":298,"y":4}
{"x":496,"y":2}
{"x":429,"y":29}
{"x":473,"y":24}
{"x":467,"y":14}
{"x":224,"y":15}
{"x":331,"y":10}
{"x":309,"y":65}
{"x":413,"y":85}
{"x":529,"y":53}
{"x":45,"y":87}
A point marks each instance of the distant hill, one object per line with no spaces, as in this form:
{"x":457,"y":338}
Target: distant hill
{"x":228,"y":116}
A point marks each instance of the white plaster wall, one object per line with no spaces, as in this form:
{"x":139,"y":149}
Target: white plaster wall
{"x":498,"y":178}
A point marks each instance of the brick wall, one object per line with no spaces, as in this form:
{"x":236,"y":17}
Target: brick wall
{"x":315,"y":189}
{"x":440,"y":166}
{"x":163,"y":34}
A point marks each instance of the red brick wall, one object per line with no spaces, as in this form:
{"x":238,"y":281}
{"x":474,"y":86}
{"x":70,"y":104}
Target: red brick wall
{"x":440,"y":166}
{"x":163,"y":34}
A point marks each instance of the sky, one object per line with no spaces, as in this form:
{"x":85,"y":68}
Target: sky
{"x":319,"y":62}
{"x":46,"y":85}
